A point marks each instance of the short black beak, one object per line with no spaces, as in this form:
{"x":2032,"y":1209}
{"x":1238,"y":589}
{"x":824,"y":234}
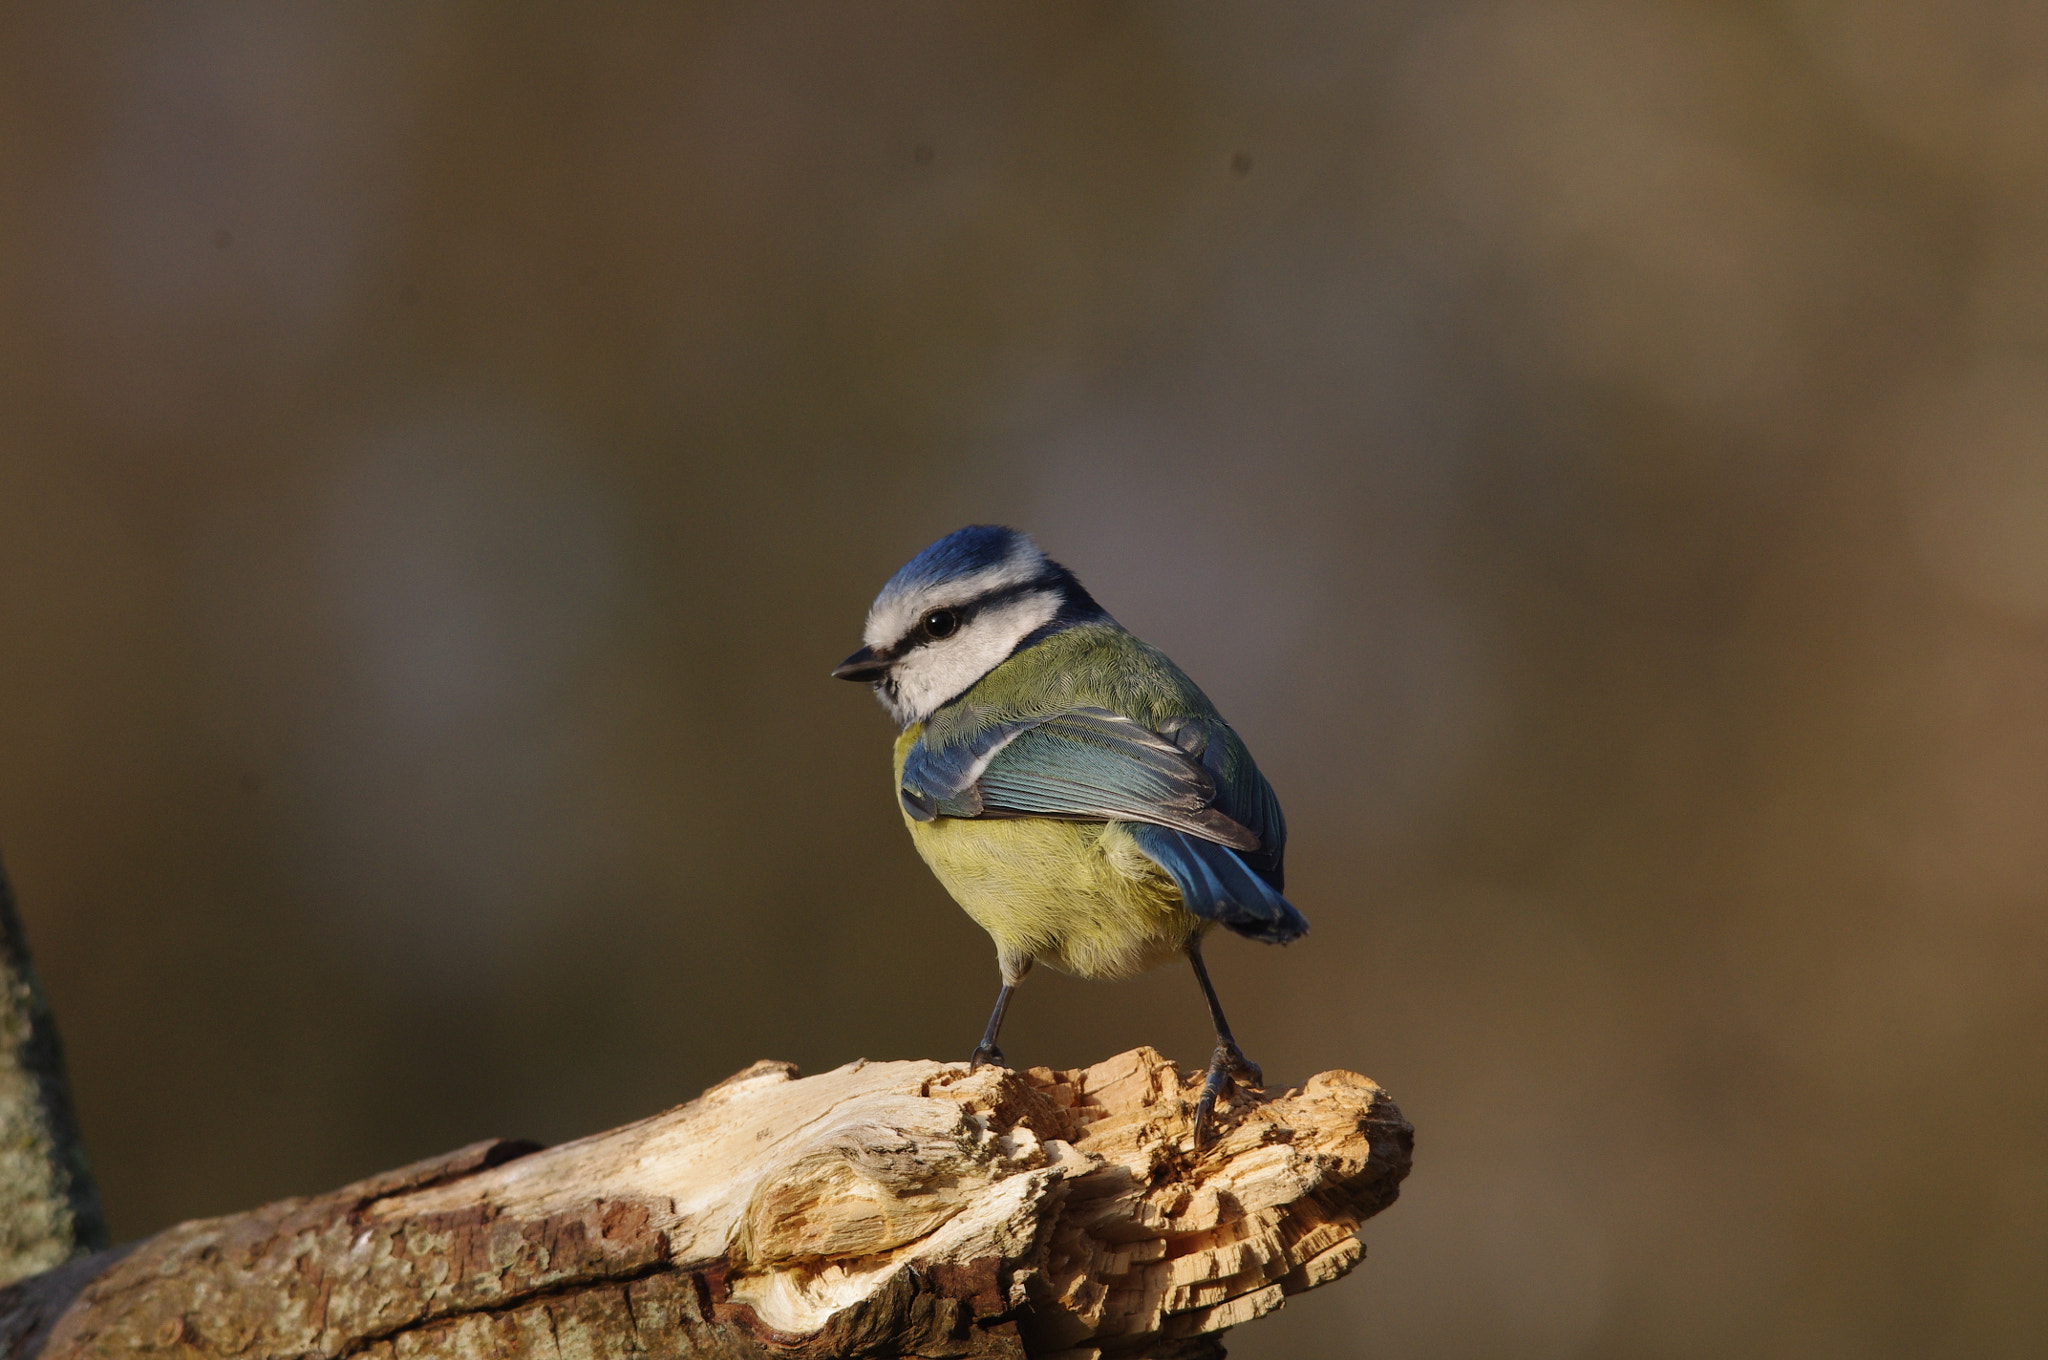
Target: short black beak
{"x":862,"y":665}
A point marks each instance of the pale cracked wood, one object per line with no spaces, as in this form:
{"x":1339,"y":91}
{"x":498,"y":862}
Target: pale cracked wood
{"x":883,"y":1209}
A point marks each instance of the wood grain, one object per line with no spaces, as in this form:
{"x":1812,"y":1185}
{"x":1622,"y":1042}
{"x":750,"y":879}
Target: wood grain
{"x":882,"y":1209}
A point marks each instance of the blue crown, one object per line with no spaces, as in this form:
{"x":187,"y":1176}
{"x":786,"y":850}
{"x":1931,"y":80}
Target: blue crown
{"x":963,"y":552}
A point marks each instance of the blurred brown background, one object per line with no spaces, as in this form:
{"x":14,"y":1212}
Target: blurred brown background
{"x":1596,"y":453}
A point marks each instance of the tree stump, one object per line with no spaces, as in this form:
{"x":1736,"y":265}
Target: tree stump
{"x":883,"y":1209}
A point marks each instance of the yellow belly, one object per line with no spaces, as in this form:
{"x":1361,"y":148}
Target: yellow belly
{"x":1077,"y":896}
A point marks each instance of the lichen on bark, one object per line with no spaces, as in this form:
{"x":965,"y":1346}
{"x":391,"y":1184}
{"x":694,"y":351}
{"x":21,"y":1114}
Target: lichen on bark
{"x":49,"y":1211}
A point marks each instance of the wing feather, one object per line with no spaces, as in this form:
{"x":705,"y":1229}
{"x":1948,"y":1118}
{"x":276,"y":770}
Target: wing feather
{"x":1218,"y":885}
{"x":1084,"y":764}
{"x":1194,"y":801}
{"x":1088,"y":764}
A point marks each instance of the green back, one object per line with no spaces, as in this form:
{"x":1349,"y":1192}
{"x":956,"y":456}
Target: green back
{"x":1100,"y":665}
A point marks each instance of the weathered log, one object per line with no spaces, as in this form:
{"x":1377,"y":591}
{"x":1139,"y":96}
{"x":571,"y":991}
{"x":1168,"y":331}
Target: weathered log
{"x":48,"y":1209}
{"x":883,"y":1209}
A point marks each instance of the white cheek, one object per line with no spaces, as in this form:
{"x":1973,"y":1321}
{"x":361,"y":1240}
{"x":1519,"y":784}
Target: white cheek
{"x":895,"y":707}
{"x":940,"y":671}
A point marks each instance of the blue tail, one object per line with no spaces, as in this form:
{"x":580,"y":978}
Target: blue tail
{"x":1216,"y":884}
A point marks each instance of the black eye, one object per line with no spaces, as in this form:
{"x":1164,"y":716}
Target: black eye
{"x":941,"y":623}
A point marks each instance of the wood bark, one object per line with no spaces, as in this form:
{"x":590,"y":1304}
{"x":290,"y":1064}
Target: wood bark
{"x":883,"y":1209}
{"x":48,"y":1209}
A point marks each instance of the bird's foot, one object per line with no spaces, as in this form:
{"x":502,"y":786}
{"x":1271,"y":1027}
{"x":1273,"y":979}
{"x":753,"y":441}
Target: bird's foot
{"x":987,"y":1053}
{"x":1227,"y":1068}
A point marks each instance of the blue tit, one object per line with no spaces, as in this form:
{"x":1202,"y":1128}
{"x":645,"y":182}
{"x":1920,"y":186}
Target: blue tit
{"x":1076,"y":793}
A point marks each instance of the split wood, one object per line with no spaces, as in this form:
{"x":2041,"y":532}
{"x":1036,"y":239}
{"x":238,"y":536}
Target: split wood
{"x":883,"y":1209}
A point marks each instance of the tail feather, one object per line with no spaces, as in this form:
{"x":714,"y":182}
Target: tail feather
{"x":1217,"y":885}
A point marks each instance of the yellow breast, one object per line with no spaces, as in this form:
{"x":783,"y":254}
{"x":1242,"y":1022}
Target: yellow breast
{"x":1077,"y":896}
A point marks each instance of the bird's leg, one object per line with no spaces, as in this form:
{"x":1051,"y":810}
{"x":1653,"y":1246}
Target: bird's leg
{"x":986,"y":1051}
{"x":1228,"y":1065}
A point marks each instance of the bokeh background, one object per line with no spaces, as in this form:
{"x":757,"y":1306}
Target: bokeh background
{"x":1597,"y":453}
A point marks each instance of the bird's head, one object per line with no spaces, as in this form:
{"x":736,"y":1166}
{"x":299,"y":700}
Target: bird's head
{"x":958,"y":610}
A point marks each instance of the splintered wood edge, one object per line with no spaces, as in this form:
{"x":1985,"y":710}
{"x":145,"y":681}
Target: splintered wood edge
{"x":987,"y":1213}
{"x":1159,"y":1241}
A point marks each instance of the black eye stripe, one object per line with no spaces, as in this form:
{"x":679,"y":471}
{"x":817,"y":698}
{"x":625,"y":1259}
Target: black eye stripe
{"x":964,"y":613}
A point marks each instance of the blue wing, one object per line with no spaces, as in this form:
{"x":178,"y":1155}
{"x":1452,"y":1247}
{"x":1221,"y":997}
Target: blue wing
{"x":1217,"y":884}
{"x":1089,"y":764}
{"x":1086,"y":764}
{"x":943,"y":782}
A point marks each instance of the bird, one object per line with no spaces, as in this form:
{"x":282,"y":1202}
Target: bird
{"x":1071,"y":788}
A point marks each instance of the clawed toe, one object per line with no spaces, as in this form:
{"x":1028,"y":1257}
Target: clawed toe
{"x":1228,"y":1067}
{"x":987,"y":1053}
{"x":1244,"y":1069}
